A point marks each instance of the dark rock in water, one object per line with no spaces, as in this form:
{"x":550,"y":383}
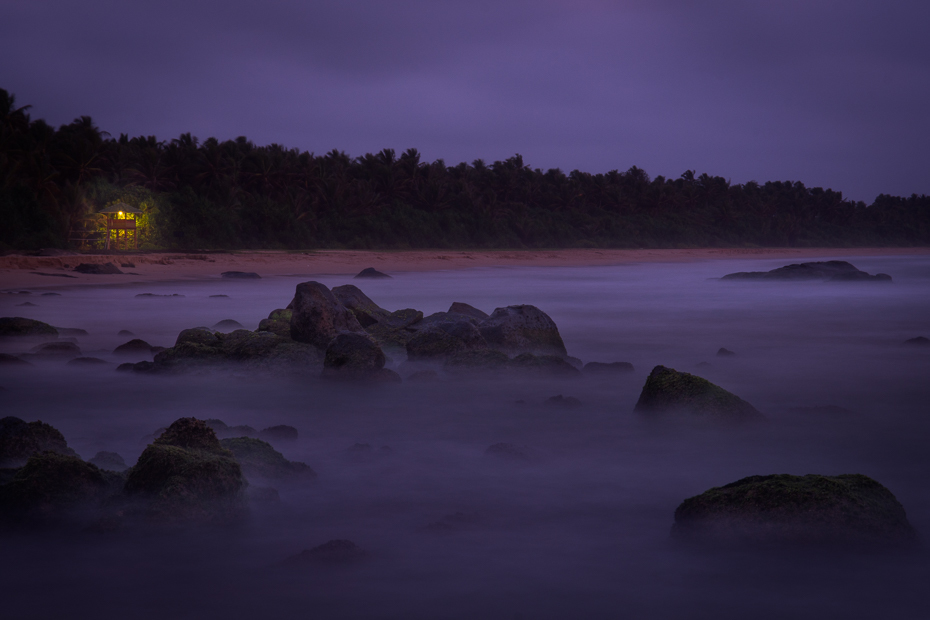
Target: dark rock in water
{"x":240,"y":275}
{"x":20,"y":440}
{"x":543,"y":365}
{"x":278,"y":322}
{"x":424,"y":376}
{"x":219,"y":295}
{"x":666,"y":389}
{"x":828,"y":410}
{"x":721,"y":352}
{"x":71,"y":331}
{"x":187,"y":475}
{"x":600,"y":368}
{"x":522,"y":329}
{"x":133,"y":347}
{"x":126,"y":367}
{"x":849,"y":509}
{"x":88,"y":361}
{"x":704,"y":365}
{"x":371,"y":273}
{"x":227,"y":325}
{"x":564,"y":402}
{"x":125,"y":333}
{"x":352,"y":356}
{"x":281,"y":432}
{"x":28,"y":304}
{"x":359,"y":448}
{"x":53,"y":487}
{"x":318,"y":316}
{"x":202,"y":336}
{"x":332,"y":552}
{"x":366,"y":311}
{"x":458,"y":307}
{"x":919,"y":341}
{"x":455,"y":522}
{"x":53,"y":294}
{"x":478,"y":360}
{"x":16,"y":326}
{"x":11,"y":360}
{"x":157,"y":295}
{"x":110,"y":461}
{"x":387,"y":328}
{"x":832,"y":271}
{"x":98,"y":269}
{"x":258,"y":458}
{"x":61,"y":349}
{"x":508,"y":451}
{"x":439,"y":341}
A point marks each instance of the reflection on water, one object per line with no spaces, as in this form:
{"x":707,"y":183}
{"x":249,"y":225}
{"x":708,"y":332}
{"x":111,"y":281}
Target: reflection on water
{"x":579,"y":531}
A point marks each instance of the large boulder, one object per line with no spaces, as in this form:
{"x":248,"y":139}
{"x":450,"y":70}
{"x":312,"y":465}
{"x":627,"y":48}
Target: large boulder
{"x":387,"y":328}
{"x":442,"y":340}
{"x":20,"y":440}
{"x":318,"y":316}
{"x":812,"y":509}
{"x":187,"y":475}
{"x":17,"y":326}
{"x":53,"y":487}
{"x":353,"y":356}
{"x":259,"y":459}
{"x":459,"y":307}
{"x":668,"y":390}
{"x":522,"y":329}
{"x":832,"y":271}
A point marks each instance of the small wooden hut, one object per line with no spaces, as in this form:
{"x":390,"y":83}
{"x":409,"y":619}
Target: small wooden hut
{"x":121,"y":220}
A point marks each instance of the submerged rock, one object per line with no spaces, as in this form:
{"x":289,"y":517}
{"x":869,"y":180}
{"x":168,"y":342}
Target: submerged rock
{"x":668,"y":390}
{"x":187,"y":475}
{"x":17,"y":326}
{"x":20,"y":440}
{"x":333,"y":552}
{"x":831,"y":271}
{"x":543,"y":365}
{"x":523,"y":329}
{"x":318,"y":316}
{"x":240,"y":275}
{"x":848,"y":509}
{"x":11,"y":360}
{"x":258,"y":458}
{"x":372,"y":273}
{"x":60,"y":349}
{"x":722,"y":352}
{"x":227,"y":325}
{"x":919,"y":341}
{"x":133,"y":347}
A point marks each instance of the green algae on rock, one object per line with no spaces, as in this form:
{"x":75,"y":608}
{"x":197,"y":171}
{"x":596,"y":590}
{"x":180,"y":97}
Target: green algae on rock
{"x":848,"y":509}
{"x":259,"y":458}
{"x":666,"y":389}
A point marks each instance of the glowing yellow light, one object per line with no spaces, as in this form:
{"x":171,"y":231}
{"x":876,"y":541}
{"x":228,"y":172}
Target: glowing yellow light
{"x":121,"y":213}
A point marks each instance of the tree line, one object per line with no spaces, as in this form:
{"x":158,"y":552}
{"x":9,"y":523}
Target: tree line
{"x":234,"y":194}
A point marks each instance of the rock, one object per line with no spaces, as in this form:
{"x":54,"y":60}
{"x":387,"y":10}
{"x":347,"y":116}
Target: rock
{"x":365,"y":310}
{"x":372,"y":273}
{"x":240,"y":275}
{"x":219,"y":295}
{"x":477,"y":360}
{"x":11,"y":360}
{"x":440,"y":341}
{"x":71,"y":331}
{"x":28,"y":304}
{"x":281,"y":432}
{"x":135,"y":346}
{"x":828,"y":271}
{"x":227,"y":325}
{"x":332,"y":552}
{"x":125,"y":333}
{"x":668,"y":390}
{"x":157,"y":295}
{"x":508,"y":451}
{"x":458,"y":307}
{"x":848,"y":509}
{"x":60,"y":349}
{"x":387,"y":328}
{"x":20,"y":440}
{"x":613,"y":368}
{"x":278,"y":322}
{"x":98,"y":269}
{"x":721,"y":352}
{"x":919,"y":341}
{"x":352,"y":356}
{"x":187,"y":475}
{"x":544,"y":365}
{"x":16,"y":326}
{"x":522,"y":329}
{"x":359,"y":448}
{"x":258,"y":458}
{"x":203,"y":336}
{"x":87,"y":361}
{"x":318,"y":316}
{"x":563,"y":402}
{"x":54,"y":294}
{"x":110,"y":461}
{"x":53,"y":487}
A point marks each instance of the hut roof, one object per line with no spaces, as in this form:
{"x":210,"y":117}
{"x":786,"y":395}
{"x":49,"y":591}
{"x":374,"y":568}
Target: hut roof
{"x":120,"y":206}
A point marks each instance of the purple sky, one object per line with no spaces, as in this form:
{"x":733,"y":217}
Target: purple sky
{"x":831,"y":93}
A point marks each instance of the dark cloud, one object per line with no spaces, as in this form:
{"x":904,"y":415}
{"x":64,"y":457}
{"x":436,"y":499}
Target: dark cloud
{"x":830,"y":93}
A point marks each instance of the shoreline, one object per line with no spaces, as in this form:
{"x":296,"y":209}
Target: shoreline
{"x":22,"y":272}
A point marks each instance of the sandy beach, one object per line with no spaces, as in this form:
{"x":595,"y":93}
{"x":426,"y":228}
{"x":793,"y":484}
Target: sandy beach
{"x":24,"y":271}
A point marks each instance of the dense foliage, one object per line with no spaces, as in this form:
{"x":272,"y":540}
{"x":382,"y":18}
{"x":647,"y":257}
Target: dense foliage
{"x":234,"y":194}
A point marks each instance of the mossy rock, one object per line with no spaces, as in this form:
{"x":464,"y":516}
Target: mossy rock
{"x":523,"y":329}
{"x":259,"y":458}
{"x":203,"y":336}
{"x":848,"y":509}
{"x":53,"y":487}
{"x":667,"y":390}
{"x":17,"y":327}
{"x":352,"y":355}
{"x":187,"y":475}
{"x":20,"y":440}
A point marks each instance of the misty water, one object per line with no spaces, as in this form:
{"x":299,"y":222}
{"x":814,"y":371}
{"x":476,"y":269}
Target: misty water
{"x":579,"y":531}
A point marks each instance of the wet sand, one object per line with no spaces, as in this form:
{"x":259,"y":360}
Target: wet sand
{"x":21,"y":271}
